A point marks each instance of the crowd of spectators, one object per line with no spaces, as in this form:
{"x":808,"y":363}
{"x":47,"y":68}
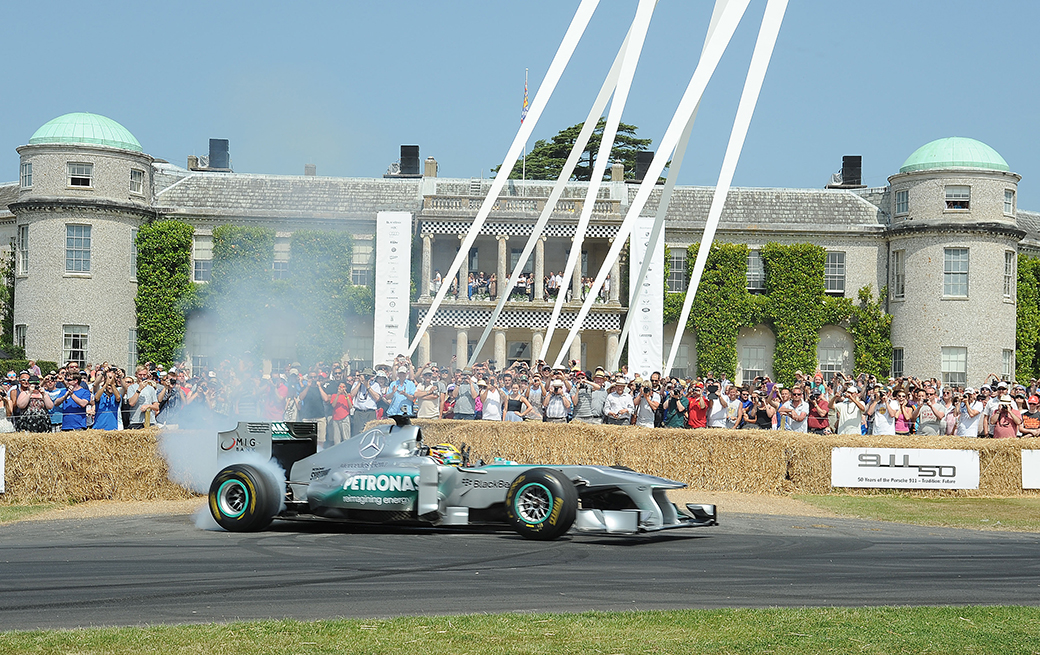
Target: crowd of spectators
{"x":342,"y":401}
{"x":481,"y":286}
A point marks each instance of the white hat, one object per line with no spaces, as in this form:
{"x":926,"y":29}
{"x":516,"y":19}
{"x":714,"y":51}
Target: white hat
{"x":852,"y":389}
{"x":1002,"y":385}
{"x":402,"y":369}
{"x":969,"y":390}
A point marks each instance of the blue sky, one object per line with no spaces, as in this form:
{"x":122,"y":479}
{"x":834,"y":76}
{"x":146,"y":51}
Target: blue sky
{"x":344,"y":84}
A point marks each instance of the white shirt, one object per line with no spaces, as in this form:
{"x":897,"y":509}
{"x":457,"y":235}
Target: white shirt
{"x":645,"y":415}
{"x":616,"y":402}
{"x":717,"y":414}
{"x":968,"y":426}
{"x":793,"y":425}
{"x":850,"y":416}
{"x":884,"y":423}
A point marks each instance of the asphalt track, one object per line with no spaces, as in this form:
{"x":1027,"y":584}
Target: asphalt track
{"x":161,"y":569}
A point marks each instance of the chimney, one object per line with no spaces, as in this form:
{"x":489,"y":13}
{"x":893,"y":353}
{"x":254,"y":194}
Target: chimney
{"x":852,"y":171}
{"x":643,"y":161}
{"x":430,"y":167}
{"x":193,"y":162}
{"x":219,"y":158}
{"x":617,"y":172}
{"x":410,"y":160}
{"x":310,"y":170}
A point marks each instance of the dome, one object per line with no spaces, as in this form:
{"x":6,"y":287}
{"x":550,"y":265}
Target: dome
{"x":81,"y":127}
{"x":954,"y":152}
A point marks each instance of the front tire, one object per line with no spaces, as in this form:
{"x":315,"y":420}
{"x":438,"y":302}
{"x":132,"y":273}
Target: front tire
{"x":541,"y":504}
{"x":243,"y":499}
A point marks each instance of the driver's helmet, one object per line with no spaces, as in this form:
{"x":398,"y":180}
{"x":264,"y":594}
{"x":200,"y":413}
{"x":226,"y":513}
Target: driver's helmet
{"x":446,"y":454}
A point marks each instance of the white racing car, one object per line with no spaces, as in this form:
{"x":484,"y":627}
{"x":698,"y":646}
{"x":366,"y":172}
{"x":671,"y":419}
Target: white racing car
{"x":388,"y":475}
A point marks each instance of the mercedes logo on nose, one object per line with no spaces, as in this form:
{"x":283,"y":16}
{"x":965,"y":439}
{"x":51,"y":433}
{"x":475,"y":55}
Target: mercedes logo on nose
{"x":371,"y":445}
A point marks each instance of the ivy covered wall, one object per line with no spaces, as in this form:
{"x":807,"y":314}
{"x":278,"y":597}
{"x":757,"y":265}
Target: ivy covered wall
{"x":163,"y":286}
{"x":1027,"y":335}
{"x":794,"y":306}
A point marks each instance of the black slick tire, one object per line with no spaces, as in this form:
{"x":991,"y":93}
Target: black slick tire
{"x":242,"y":498}
{"x":541,"y":504}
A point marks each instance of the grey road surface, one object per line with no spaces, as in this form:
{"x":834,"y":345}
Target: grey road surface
{"x":161,"y":569}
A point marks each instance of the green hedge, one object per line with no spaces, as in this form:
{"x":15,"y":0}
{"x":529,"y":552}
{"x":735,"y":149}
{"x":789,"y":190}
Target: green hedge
{"x":17,"y":365}
{"x":1027,"y":331}
{"x":164,"y":280}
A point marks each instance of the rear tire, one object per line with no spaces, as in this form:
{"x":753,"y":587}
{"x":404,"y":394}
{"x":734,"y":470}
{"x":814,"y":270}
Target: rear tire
{"x":242,"y":498}
{"x":541,"y":504}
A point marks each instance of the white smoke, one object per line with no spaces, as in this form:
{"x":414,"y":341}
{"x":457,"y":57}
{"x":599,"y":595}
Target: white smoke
{"x":191,"y":457}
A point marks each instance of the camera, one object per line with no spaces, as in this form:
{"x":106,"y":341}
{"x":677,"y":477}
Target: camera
{"x":713,"y":390}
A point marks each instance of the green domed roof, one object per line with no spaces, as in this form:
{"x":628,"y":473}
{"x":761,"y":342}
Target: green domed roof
{"x":954,"y":152}
{"x":81,"y":127}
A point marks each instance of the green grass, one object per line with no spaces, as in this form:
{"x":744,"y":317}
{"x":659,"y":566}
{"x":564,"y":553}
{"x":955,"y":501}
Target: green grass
{"x":18,"y":512}
{"x":993,"y":513}
{"x":882,"y":630}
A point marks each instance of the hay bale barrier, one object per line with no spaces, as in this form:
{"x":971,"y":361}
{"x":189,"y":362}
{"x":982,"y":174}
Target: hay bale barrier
{"x":78,"y":466}
{"x":746,"y":461}
{"x":126,"y":465}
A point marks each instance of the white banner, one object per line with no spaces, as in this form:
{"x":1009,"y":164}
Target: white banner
{"x":904,"y":468}
{"x":1030,"y":469}
{"x":393,"y":285}
{"x":645,"y":341}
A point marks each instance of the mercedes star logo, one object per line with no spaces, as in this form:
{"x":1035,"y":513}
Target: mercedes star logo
{"x":371,"y":445}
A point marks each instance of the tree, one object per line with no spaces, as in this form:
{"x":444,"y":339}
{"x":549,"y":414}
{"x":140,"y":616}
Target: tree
{"x":546,"y":159}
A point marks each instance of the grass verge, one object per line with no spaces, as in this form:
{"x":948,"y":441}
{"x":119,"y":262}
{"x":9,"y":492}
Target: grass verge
{"x":987,"y":513}
{"x":10,"y":513}
{"x":1005,"y":630}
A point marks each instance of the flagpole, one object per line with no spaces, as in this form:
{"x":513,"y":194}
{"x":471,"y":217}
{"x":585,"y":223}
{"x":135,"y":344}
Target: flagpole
{"x":523,"y":168}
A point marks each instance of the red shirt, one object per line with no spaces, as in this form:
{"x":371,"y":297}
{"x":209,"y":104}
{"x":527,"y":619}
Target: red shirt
{"x":698,"y":416}
{"x":340,"y":406}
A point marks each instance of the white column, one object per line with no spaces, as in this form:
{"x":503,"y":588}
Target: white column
{"x":576,"y":281}
{"x":615,"y":281}
{"x":424,"y":347}
{"x":576,"y":349}
{"x":612,"y":347}
{"x":461,"y":347}
{"x":500,"y":348}
{"x":536,"y":346}
{"x":427,"y":264}
{"x":464,"y":283}
{"x":503,"y":263}
{"x":539,"y":271}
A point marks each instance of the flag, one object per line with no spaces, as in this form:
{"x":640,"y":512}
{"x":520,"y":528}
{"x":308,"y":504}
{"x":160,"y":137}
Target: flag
{"x":523,"y":110}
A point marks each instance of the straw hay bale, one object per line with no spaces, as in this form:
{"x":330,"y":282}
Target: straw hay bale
{"x":86,"y":465}
{"x":748,"y":461}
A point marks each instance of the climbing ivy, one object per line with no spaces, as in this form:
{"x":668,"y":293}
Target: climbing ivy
{"x":795,"y":306}
{"x":241,"y":293}
{"x":163,"y":283}
{"x":321,"y":292}
{"x":1027,"y":332}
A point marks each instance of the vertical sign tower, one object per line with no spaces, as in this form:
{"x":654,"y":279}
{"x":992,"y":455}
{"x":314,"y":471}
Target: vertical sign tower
{"x":393,"y":285}
{"x":645,"y":345}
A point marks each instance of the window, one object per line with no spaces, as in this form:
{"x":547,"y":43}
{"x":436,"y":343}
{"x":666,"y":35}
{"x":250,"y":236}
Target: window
{"x":199,"y":365}
{"x":1009,"y":274}
{"x":897,"y":362}
{"x":1009,"y":199}
{"x":517,"y":351}
{"x":753,"y":362}
{"x":75,"y":348}
{"x":756,"y":272}
{"x":902,"y":202}
{"x":681,"y":365}
{"x":361,"y":266}
{"x":834,"y":273}
{"x":131,"y":349}
{"x":1009,"y":365}
{"x":280,"y":266}
{"x":514,"y":259}
{"x":677,"y":271}
{"x":898,"y":274}
{"x":136,"y":181}
{"x":202,"y":255}
{"x":23,"y":249}
{"x":203,"y":270}
{"x":954,"y":365}
{"x":281,"y":270}
{"x":474,"y":260}
{"x":26,"y":175}
{"x":955,"y":273}
{"x":832,"y":360}
{"x":133,"y":254}
{"x":19,"y":336}
{"x":77,"y":248}
{"x":81,"y":175}
{"x":958,"y":197}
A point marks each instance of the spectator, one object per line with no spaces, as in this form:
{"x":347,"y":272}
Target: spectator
{"x":646,"y":402}
{"x":517,"y":405}
{"x":556,"y":402}
{"x":1006,"y":419}
{"x":366,"y":393}
{"x":312,"y":407}
{"x":341,"y":404}
{"x":931,"y":412}
{"x":74,"y":402}
{"x":143,"y":397}
{"x":466,"y":395}
{"x":107,"y":396}
{"x":428,"y":397}
{"x":536,"y":392}
{"x":401,"y":394}
{"x":1031,"y":419}
{"x":904,"y":413}
{"x":6,"y":409}
{"x":618,"y":408}
{"x":818,"y":421}
{"x":675,"y":406}
{"x":717,"y":404}
{"x":697,"y":408}
{"x":581,"y":399}
{"x":34,"y":404}
{"x":849,"y":410}
{"x":734,"y":409}
{"x":760,"y":415}
{"x":34,"y":369}
{"x":969,"y":414}
{"x":795,"y":411}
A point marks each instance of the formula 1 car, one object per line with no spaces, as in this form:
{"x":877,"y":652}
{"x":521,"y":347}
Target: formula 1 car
{"x":388,"y":475}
